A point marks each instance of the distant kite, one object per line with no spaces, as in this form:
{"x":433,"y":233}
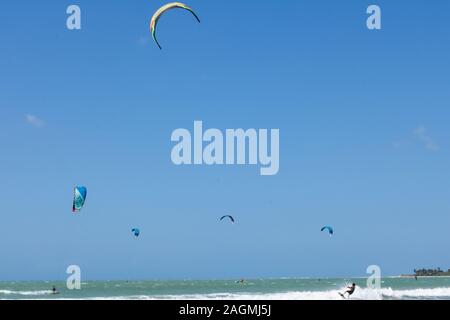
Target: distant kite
{"x":329,"y":229}
{"x":164,"y":9}
{"x":79,"y":197}
{"x":136,"y":232}
{"x":229,"y":217}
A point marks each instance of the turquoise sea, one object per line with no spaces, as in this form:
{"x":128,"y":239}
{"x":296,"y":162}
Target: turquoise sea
{"x":272,"y":289}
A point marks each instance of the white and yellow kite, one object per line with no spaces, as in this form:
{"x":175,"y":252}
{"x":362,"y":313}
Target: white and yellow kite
{"x":163,"y":10}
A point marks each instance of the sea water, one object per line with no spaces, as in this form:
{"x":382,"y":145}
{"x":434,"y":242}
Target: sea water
{"x":270,"y":289}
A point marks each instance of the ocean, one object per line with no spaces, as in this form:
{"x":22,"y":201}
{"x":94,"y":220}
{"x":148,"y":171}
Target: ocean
{"x":395,"y":288}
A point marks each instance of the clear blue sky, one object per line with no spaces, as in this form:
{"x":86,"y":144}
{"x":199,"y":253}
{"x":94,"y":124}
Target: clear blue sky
{"x":363,"y":118}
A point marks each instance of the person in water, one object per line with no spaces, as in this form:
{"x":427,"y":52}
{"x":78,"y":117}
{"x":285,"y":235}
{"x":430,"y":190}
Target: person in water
{"x":54,"y":291}
{"x":350,"y":290}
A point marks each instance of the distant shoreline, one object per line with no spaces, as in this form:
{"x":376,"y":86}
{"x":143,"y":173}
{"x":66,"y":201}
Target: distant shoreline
{"x":429,"y":273}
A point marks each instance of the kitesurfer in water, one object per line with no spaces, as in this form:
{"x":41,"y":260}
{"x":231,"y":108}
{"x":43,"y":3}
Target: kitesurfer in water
{"x":54,"y":291}
{"x":350,"y":290}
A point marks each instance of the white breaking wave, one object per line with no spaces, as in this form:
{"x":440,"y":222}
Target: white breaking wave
{"x":360,"y":294}
{"x":26,"y":293}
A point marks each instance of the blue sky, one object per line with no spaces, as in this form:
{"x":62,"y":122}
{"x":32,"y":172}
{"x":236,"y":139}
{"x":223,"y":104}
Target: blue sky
{"x":364,"y":137}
